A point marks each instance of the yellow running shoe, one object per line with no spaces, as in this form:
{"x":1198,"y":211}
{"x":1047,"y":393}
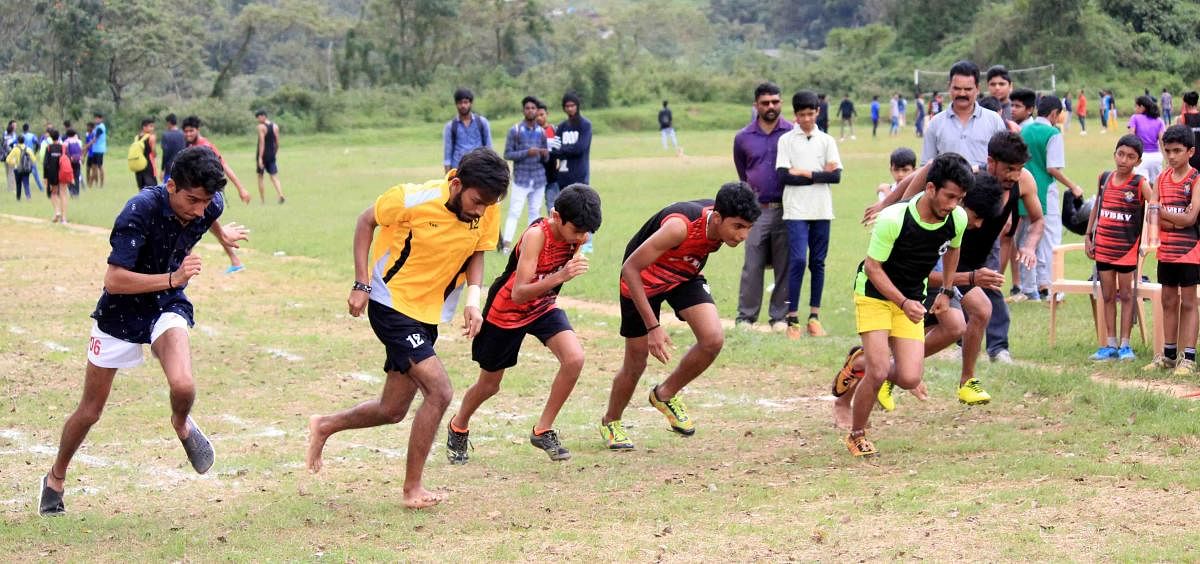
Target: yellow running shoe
{"x":972,"y":393}
{"x":675,"y":412}
{"x":1185,"y":367}
{"x":613,"y":433}
{"x":886,"y":400}
{"x":859,"y":446}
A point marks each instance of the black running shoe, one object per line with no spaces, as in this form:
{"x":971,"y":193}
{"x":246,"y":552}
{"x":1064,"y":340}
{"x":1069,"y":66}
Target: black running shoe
{"x":199,"y":450}
{"x":51,"y":502}
{"x":457,"y":445}
{"x":549,"y":443}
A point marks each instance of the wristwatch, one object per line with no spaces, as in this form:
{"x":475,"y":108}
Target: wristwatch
{"x":361,"y":287}
{"x":948,"y":292}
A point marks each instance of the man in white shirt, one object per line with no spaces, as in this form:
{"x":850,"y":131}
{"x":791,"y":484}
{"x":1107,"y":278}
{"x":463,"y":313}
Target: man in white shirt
{"x":807,"y":162}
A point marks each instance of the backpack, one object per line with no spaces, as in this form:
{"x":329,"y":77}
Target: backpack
{"x":66,"y":174}
{"x":137,"y":155}
{"x":25,"y":161}
{"x":74,"y":150}
{"x":454,"y":130}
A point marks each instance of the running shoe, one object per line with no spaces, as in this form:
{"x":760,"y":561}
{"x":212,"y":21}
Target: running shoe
{"x":1160,"y":362}
{"x":457,"y":445}
{"x":1104,"y":354}
{"x":613,"y":433}
{"x":860,"y":446}
{"x":550,"y":444}
{"x":1002,"y":356}
{"x":51,"y":501}
{"x":232,"y":269}
{"x":1126,"y":353}
{"x":815,"y":329}
{"x":972,"y":393}
{"x":1185,"y":367}
{"x":675,"y":412}
{"x":886,"y":400}
{"x":793,"y":328}
{"x":847,"y":378}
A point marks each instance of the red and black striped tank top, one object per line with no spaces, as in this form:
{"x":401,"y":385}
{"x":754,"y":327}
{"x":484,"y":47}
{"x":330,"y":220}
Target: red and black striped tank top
{"x":1178,"y":245}
{"x":681,"y":263}
{"x":501,"y":310}
{"x":1119,"y":221}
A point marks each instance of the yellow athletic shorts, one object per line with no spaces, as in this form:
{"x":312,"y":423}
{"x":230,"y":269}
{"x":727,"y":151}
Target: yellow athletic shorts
{"x":883,"y":315}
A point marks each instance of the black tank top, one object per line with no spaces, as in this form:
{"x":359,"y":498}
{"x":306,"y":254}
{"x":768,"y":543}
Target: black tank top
{"x":270,"y":144}
{"x":1193,"y":121}
{"x":977,"y":243}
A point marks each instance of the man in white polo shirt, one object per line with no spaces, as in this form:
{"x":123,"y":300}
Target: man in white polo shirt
{"x":807,"y":162}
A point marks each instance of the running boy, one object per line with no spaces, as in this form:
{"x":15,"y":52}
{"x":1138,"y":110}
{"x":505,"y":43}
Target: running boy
{"x":663,"y":262}
{"x":1113,"y":238}
{"x":522,"y":301}
{"x":1178,"y":251}
{"x":143,"y":302}
{"x":890,"y":287}
{"x":431,"y":233}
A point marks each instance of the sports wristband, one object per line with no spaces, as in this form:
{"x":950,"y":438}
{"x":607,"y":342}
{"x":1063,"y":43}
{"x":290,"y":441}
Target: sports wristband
{"x":653,"y":327}
{"x":170,"y":284}
{"x":359,"y":286}
{"x":472,"y":296}
{"x":972,"y":280}
{"x":948,"y":292}
{"x":904,"y":303}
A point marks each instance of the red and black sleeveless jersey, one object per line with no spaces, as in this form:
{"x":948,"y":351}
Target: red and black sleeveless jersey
{"x":682,"y":263}
{"x":500,"y":309}
{"x":1119,"y":221}
{"x":1178,"y":245}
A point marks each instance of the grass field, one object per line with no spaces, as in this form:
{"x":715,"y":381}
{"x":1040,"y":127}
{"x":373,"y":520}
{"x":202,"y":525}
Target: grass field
{"x":1072,"y":461}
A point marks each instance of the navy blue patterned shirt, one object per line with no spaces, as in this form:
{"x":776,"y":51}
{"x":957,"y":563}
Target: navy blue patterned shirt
{"x":147,"y":238}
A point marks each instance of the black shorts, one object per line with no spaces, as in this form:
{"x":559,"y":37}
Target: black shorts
{"x":407,"y":341}
{"x":145,"y":178}
{"x":1178,"y":274}
{"x":96,"y":160}
{"x":690,"y":293}
{"x":1119,"y":268}
{"x":955,"y":303}
{"x":495,"y":348}
{"x":270,"y":167}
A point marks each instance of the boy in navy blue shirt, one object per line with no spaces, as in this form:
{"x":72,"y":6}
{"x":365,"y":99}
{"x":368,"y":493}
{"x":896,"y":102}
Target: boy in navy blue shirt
{"x":143,"y":303}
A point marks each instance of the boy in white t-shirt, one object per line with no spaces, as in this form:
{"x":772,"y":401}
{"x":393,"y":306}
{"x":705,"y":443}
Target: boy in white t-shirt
{"x":807,"y":163}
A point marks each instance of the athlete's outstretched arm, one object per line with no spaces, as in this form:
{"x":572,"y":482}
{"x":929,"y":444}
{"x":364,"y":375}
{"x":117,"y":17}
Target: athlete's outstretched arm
{"x":905,"y":189}
{"x":670,"y":234}
{"x":364,"y":232}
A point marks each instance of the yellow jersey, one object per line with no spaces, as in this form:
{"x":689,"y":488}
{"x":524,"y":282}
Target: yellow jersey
{"x":423,"y":248}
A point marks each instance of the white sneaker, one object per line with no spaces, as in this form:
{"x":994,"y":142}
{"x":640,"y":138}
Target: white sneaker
{"x":779,"y":326}
{"x":1002,"y":357}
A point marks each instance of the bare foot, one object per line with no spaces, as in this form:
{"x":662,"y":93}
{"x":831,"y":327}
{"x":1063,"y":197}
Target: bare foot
{"x":316,"y":443}
{"x":842,"y":416}
{"x":920,"y":392}
{"x":421,"y":498}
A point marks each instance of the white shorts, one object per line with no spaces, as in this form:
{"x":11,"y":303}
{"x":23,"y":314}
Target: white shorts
{"x":107,"y":351}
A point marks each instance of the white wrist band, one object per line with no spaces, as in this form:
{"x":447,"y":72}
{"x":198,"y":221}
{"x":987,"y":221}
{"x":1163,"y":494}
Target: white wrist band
{"x":472,"y":296}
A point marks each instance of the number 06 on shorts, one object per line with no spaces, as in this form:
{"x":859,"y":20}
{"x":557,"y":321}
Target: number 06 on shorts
{"x":107,"y":351}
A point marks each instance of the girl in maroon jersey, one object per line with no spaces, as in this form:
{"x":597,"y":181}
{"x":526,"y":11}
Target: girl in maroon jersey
{"x":1114,"y":238}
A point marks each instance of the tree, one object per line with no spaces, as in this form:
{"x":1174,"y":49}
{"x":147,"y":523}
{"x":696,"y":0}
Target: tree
{"x":143,"y":38}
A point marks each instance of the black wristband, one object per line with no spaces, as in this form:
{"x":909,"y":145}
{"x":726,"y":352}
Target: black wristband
{"x":903,"y":303}
{"x":653,"y":327}
{"x":361,"y":287}
{"x":972,"y":281}
{"x":170,"y":284}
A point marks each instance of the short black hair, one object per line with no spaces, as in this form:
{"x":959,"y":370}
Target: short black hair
{"x":542,"y":105}
{"x":198,"y":167}
{"x":53,"y":133}
{"x":1130,"y":140}
{"x":171,"y":119}
{"x":984,"y":197}
{"x":1048,"y":104}
{"x":191,"y":121}
{"x":71,"y":132}
{"x":25,"y":127}
{"x":950,"y":167}
{"x":260,"y":112}
{"x":98,"y":114}
{"x":1025,"y":96}
{"x":991,"y":103}
{"x":736,"y":199}
{"x":1000,"y":71}
{"x":572,"y":96}
{"x":664,"y":103}
{"x":804,"y":100}
{"x":529,"y":99}
{"x":1181,"y":134}
{"x":903,"y":157}
{"x":1008,"y":148}
{"x":765,"y":89}
{"x":1191,"y":98}
{"x":579,"y":205}
{"x":965,"y":68}
{"x":463,"y":94}
{"x":147,"y":121}
{"x":91,"y":126}
{"x":481,"y":168}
